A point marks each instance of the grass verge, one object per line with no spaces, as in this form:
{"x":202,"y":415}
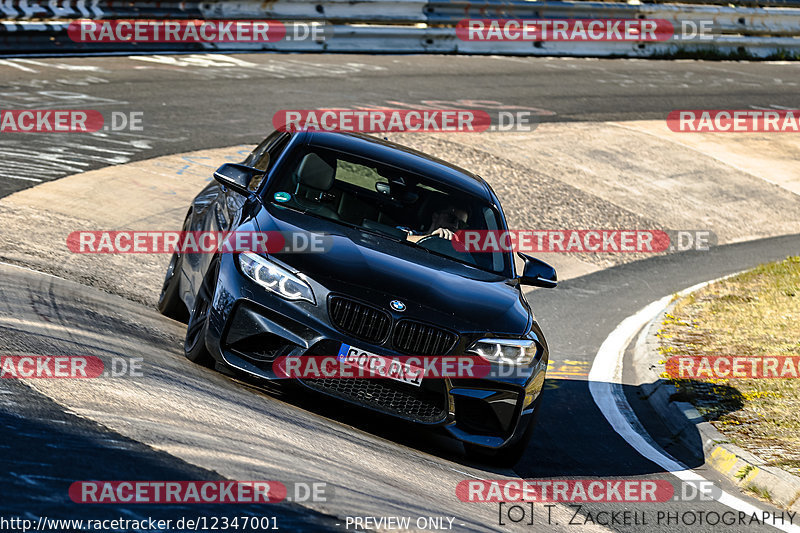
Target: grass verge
{"x":753,"y":314}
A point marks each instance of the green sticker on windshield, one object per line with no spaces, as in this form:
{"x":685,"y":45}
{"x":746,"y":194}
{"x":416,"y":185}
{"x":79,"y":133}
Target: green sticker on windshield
{"x":282,"y":197}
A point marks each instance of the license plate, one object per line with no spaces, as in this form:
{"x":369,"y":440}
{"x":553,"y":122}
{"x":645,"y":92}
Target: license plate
{"x":381,"y":366}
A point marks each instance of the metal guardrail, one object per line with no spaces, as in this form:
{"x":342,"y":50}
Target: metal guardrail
{"x":49,"y":38}
{"x":750,"y":21}
{"x":726,"y":20}
{"x":406,"y":26}
{"x":391,"y":11}
{"x":343,"y":10}
{"x":735,"y":3}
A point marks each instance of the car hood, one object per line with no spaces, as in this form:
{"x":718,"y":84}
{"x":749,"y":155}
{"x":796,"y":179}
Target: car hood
{"x":378,"y":270}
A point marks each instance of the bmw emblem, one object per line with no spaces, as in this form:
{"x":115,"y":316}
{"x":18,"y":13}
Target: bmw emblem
{"x":397,"y":305}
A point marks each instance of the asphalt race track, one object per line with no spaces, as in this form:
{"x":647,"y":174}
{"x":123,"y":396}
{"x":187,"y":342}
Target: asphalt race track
{"x":206,"y":101}
{"x":180,"y":421}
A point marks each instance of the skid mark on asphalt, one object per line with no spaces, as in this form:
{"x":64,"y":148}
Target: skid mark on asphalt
{"x":27,"y":159}
{"x":221,"y":66}
{"x":16,"y":65}
{"x":45,"y":157}
{"x":34,"y":158}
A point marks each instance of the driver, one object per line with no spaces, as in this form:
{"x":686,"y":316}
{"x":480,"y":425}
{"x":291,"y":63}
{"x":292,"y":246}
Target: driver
{"x":444,"y":223}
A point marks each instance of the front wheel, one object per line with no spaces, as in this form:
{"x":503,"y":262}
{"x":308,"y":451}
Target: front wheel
{"x":169,"y":302}
{"x":194,"y":347}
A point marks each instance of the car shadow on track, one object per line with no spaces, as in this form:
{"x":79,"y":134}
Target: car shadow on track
{"x":572,"y":437}
{"x":384,"y":426}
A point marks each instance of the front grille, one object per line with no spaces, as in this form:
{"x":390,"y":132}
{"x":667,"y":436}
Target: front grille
{"x":415,"y":403}
{"x":416,"y":338}
{"x":359,"y":320}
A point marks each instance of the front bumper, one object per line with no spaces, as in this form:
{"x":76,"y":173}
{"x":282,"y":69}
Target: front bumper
{"x":249,"y":328}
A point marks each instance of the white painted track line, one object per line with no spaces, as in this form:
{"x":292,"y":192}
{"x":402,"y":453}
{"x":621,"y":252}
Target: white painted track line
{"x":605,"y":385}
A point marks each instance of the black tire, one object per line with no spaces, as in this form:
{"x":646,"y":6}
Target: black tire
{"x":194,"y":346}
{"x":169,"y":302}
{"x":509,"y":455}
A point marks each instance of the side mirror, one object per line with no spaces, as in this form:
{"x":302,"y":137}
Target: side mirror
{"x":537,"y":273}
{"x":236,"y":177}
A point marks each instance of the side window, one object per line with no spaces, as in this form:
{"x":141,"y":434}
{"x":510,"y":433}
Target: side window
{"x":358,"y":175}
{"x":491,"y":224}
{"x":265,"y":156}
{"x":261,"y":149}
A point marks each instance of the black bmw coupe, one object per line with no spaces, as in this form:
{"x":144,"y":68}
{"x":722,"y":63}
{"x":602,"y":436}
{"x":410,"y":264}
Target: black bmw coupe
{"x":388,"y":283}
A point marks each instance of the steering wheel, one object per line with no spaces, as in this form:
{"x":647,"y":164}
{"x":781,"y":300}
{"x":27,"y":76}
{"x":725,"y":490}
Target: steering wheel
{"x":438,"y":245}
{"x":427,"y":238}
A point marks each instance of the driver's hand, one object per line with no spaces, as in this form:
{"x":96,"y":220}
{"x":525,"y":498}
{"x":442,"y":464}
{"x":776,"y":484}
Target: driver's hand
{"x":443,"y":233}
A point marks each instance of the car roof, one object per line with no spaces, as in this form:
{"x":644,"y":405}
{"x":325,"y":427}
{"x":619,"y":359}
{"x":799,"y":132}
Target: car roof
{"x":387,"y":152}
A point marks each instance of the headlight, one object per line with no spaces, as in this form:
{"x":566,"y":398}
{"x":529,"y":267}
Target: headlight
{"x":506,"y":351}
{"x":275,"y":278}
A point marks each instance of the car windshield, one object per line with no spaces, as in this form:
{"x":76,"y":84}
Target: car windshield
{"x":395,"y":203}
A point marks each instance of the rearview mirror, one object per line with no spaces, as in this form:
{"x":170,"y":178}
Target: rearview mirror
{"x":236,"y":177}
{"x":537,"y":273}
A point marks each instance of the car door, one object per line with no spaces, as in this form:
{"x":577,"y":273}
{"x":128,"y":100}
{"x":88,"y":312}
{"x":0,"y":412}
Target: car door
{"x":219,"y":209}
